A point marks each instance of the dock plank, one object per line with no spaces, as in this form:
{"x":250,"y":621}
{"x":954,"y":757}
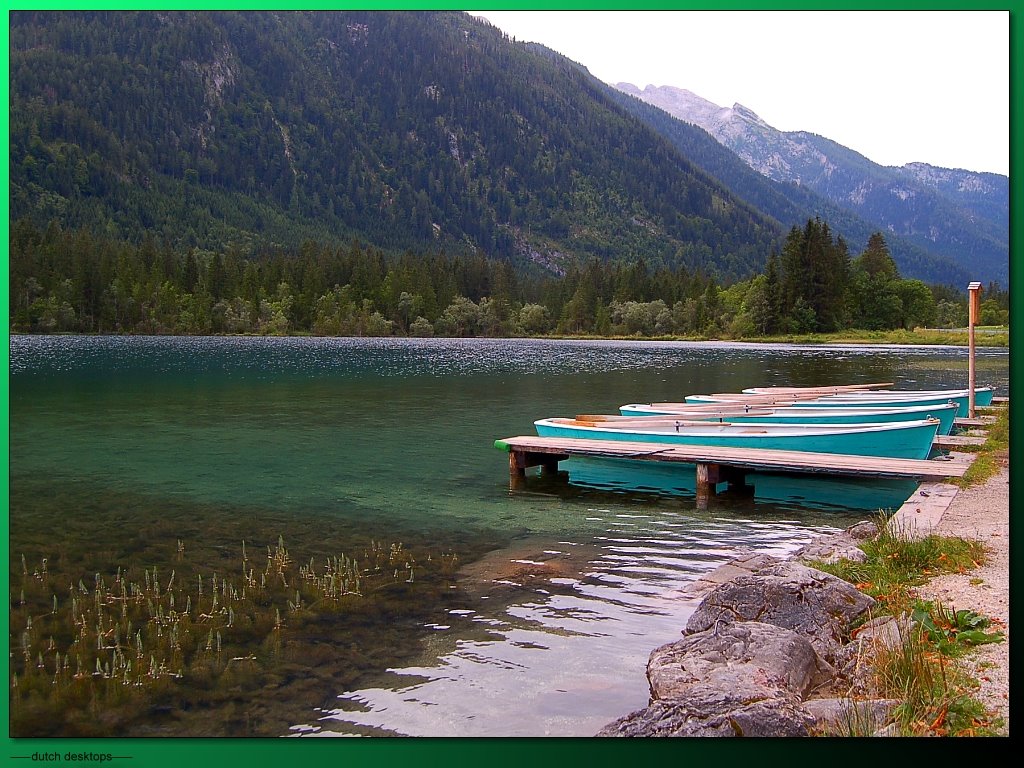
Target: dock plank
{"x":740,"y":458}
{"x":952,"y":441}
{"x":980,"y":421}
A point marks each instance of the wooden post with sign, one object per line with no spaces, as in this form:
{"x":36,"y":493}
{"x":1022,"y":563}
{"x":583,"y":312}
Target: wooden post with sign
{"x":973,"y":313}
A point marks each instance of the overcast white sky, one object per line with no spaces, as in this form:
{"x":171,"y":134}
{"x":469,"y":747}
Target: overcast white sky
{"x":896,"y":86}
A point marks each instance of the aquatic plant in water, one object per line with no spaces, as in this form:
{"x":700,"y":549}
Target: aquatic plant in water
{"x":90,"y":651}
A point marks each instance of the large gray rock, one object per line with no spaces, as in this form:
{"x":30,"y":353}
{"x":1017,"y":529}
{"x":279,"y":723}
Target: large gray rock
{"x":840,"y":546}
{"x":862,"y":531}
{"x":706,"y":710}
{"x":878,"y":636}
{"x":743,"y":564}
{"x":812,"y":603}
{"x":884,"y":633}
{"x":850,"y":717}
{"x":748,"y":660}
{"x":767,"y":635}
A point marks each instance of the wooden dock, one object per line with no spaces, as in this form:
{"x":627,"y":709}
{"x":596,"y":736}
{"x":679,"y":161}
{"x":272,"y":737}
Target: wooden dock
{"x":979,"y":421}
{"x":957,"y":441}
{"x":715,"y":465}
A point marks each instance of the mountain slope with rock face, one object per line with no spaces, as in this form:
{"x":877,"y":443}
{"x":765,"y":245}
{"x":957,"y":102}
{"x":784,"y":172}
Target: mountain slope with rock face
{"x":959,"y":214}
{"x":405,"y":130}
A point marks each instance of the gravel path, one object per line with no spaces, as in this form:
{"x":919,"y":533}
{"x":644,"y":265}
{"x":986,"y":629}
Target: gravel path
{"x":982,"y":513}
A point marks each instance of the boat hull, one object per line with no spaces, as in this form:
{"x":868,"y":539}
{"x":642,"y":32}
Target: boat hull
{"x":982,"y":395}
{"x":944,"y":412}
{"x":902,"y":440}
{"x":891,"y":400}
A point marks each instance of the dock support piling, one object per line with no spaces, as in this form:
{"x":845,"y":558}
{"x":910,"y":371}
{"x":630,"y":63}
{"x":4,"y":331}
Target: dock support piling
{"x":517,"y":464}
{"x":520,"y":460}
{"x":707,"y":483}
{"x":549,"y":467}
{"x":710,"y":475}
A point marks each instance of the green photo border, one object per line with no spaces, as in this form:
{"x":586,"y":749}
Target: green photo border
{"x":417,"y":752}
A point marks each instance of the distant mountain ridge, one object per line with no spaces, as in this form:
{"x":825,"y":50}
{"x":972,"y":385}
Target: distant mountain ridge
{"x":959,"y":214}
{"x":791,"y":204}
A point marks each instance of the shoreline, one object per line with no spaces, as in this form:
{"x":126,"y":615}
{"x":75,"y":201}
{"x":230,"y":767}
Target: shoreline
{"x":891,"y":339}
{"x":982,"y":512}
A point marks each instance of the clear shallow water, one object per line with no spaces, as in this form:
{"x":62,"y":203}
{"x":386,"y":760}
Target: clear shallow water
{"x":566,"y":588}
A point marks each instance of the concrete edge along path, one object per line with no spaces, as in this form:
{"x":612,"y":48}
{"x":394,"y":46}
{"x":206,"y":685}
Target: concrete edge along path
{"x":981,"y":513}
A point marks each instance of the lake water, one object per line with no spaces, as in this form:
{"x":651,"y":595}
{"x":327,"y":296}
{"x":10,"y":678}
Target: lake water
{"x":534,"y":610}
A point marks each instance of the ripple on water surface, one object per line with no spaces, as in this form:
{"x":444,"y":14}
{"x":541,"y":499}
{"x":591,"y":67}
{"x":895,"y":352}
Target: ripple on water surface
{"x":563,"y":588}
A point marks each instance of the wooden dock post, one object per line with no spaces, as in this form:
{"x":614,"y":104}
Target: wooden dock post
{"x":973,"y":312}
{"x":709,"y":475}
{"x":517,"y":464}
{"x":707,"y":483}
{"x":520,"y":459}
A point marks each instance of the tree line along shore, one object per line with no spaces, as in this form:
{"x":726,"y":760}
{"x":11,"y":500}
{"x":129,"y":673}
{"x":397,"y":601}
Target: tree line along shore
{"x":75,"y":281}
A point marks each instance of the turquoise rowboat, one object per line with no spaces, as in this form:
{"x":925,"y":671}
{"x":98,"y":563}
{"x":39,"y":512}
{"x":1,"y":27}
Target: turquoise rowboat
{"x":944,"y":412}
{"x":901,"y":440}
{"x":860,"y":400}
{"x":982,"y":395}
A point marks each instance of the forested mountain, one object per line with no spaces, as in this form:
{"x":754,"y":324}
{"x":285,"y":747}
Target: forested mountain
{"x":413,"y":131}
{"x":955,"y":215}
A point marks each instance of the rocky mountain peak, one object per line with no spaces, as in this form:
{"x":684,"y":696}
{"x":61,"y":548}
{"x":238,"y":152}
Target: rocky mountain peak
{"x":953,"y":213}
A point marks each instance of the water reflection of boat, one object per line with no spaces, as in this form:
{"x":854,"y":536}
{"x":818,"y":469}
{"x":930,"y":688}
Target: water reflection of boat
{"x":792,"y":491}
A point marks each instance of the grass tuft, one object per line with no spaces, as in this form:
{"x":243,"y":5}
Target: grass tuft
{"x":992,"y":455}
{"x":896,"y":563}
{"x":935,"y":692}
{"x":921,"y":669}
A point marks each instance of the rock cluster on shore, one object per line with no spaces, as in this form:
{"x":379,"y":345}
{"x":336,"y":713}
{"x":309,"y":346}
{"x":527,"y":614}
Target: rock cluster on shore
{"x":768,"y":652}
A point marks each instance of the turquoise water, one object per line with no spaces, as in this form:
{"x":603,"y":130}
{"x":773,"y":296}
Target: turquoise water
{"x":119,"y":447}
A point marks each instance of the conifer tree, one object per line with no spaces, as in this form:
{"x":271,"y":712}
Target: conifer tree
{"x":876,"y":260}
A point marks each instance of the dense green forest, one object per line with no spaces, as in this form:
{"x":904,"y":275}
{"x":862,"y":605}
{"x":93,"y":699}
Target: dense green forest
{"x":76,"y":281}
{"x":407,"y":131}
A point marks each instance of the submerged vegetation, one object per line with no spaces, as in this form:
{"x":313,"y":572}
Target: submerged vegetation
{"x":116,"y":653}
